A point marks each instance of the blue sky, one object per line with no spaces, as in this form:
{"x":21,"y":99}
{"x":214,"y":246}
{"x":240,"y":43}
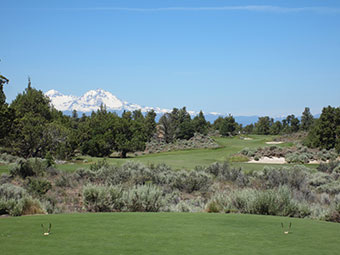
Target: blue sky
{"x":239,"y":57}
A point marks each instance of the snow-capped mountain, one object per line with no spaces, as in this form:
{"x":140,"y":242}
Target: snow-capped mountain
{"x":92,"y":100}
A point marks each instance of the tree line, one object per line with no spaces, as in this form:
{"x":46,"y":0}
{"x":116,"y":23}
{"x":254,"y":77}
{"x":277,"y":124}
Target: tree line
{"x":31,"y":127}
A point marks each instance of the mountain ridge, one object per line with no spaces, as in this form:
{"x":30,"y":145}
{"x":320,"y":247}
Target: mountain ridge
{"x":93,"y":99}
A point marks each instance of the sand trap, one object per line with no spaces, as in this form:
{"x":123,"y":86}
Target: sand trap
{"x":274,"y":142}
{"x":248,"y":138}
{"x":267,"y":160}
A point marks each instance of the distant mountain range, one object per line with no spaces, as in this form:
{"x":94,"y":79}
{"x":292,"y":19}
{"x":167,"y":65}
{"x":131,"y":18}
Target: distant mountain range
{"x":92,"y":100}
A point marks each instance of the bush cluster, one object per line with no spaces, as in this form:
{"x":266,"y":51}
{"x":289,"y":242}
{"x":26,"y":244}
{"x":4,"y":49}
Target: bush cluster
{"x":141,"y":198}
{"x":198,"y":141}
{"x":15,"y":201}
{"x":297,"y":154}
{"x":278,"y":201}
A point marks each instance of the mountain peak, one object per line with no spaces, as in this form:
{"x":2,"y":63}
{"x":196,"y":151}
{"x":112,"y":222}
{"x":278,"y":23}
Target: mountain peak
{"x":91,"y":101}
{"x":52,"y":92}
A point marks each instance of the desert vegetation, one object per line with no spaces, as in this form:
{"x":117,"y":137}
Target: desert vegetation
{"x":34,"y":187}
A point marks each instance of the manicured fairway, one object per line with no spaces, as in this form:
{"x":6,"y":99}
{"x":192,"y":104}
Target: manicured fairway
{"x":189,"y":159}
{"x":166,"y":233}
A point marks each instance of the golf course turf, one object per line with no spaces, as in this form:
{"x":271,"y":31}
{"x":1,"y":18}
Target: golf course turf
{"x":166,"y":233}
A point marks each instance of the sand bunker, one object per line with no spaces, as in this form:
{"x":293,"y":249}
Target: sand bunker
{"x":267,"y":160}
{"x":274,"y":142}
{"x":248,"y":138}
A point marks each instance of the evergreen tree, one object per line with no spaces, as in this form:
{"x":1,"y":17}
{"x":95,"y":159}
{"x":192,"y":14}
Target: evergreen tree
{"x":307,"y":119}
{"x":130,"y":135}
{"x":276,"y":128}
{"x":200,"y":125}
{"x":263,"y":125}
{"x":6,"y":116}
{"x":150,"y":124}
{"x":325,"y":133}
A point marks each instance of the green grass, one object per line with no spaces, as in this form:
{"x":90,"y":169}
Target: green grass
{"x":166,"y":233}
{"x":188,"y":159}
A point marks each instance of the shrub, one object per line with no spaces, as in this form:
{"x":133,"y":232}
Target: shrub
{"x":295,"y":177}
{"x":267,"y":202}
{"x":26,"y":168}
{"x":332,"y":166}
{"x":98,"y":165}
{"x":5,"y":178}
{"x":64,"y":180}
{"x":103,"y":198}
{"x":190,"y":181}
{"x":223,"y":172}
{"x":15,"y":201}
{"x":318,"y":179}
{"x":144,"y":198}
{"x":189,"y":205}
{"x":330,"y":188}
{"x":38,"y":186}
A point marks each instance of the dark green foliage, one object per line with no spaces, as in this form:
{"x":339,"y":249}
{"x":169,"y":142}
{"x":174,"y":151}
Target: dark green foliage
{"x":177,"y":125}
{"x":291,"y":124}
{"x":249,"y":129}
{"x":5,"y":114}
{"x":307,"y":119}
{"x":129,"y":135}
{"x":150,"y":124}
{"x":3,"y":81}
{"x":226,"y":126}
{"x":325,"y":132}
{"x":26,"y":168}
{"x":263,"y":125}
{"x":276,"y":128}
{"x":38,"y":186}
{"x":200,"y":125}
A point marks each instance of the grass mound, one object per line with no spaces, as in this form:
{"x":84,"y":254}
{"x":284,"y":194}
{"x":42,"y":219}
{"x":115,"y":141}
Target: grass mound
{"x":166,"y":233}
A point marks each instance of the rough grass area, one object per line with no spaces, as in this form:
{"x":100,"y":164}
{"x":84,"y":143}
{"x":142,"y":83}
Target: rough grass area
{"x":189,"y":159}
{"x":166,"y":233}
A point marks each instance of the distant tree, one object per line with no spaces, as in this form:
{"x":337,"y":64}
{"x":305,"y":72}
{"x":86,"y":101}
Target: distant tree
{"x":32,"y":101}
{"x":276,"y":128}
{"x":5,"y":114}
{"x":325,"y":133}
{"x":227,"y":126}
{"x":199,"y":123}
{"x":263,"y":125}
{"x":307,"y":120}
{"x":150,"y":124}
{"x":184,"y":128}
{"x":74,"y":115}
{"x":130,"y":135}
{"x":3,"y":81}
{"x":167,"y":127}
{"x":291,"y":124}
{"x":97,"y":133}
{"x":176,"y":125}
{"x":249,"y":129}
{"x":32,"y":112}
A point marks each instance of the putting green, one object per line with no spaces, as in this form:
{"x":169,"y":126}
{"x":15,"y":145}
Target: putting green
{"x":166,"y":233}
